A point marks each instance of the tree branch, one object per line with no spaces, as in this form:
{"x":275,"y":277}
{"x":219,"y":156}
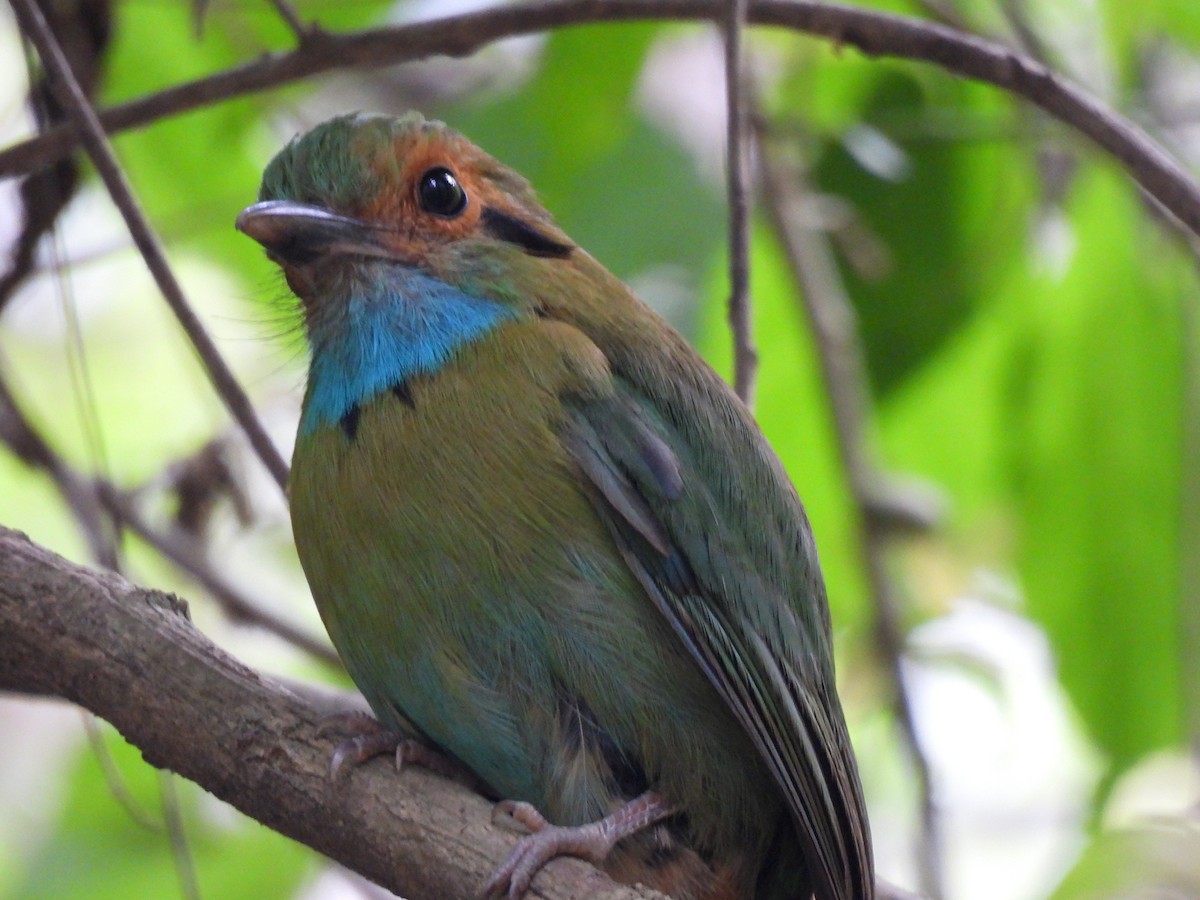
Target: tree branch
{"x":72,"y":98}
{"x":834,"y":327}
{"x":289,"y":15}
{"x":19,"y":435}
{"x":189,"y":556}
{"x":874,"y":33}
{"x":132,"y":657}
{"x":741,"y":323}
{"x":90,"y":498}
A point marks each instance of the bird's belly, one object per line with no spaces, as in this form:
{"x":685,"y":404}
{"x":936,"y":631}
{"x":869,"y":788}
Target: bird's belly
{"x":472,"y":590}
{"x":468,"y":585}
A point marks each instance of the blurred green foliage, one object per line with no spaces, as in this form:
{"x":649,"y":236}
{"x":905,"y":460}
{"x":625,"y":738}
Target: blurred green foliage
{"x":1025,"y":328}
{"x":101,"y":851}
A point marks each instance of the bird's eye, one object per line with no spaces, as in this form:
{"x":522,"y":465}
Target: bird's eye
{"x":441,"y":194}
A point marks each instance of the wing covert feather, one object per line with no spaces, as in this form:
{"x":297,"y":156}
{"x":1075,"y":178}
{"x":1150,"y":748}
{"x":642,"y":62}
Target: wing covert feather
{"x":745,"y":626}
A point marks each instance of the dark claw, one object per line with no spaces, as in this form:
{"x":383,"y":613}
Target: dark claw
{"x":358,"y":749}
{"x":368,"y":739}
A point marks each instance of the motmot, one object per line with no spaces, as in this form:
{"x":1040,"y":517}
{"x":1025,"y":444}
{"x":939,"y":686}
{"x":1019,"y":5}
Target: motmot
{"x":550,"y":544}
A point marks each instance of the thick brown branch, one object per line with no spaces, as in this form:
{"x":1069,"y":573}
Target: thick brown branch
{"x":132,"y":657}
{"x":875,"y":33}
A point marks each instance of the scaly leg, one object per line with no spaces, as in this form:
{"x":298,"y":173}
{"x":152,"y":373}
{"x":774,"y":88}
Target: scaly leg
{"x":592,"y":842}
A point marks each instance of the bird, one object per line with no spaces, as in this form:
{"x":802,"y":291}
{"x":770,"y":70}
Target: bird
{"x":549,"y":542}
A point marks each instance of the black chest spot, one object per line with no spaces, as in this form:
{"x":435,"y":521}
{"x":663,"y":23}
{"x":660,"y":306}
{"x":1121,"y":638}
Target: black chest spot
{"x":349,"y":422}
{"x":403,"y":393}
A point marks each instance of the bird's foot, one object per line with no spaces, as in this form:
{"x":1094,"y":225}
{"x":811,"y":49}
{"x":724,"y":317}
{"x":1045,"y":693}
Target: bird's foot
{"x":368,"y":739}
{"x":545,"y":842}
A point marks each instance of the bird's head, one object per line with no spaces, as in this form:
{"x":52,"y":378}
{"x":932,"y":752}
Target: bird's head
{"x":360,"y":191}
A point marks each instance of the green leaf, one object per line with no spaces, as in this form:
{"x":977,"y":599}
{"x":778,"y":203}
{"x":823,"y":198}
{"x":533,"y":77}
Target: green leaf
{"x":933,"y":220}
{"x":1130,"y":28}
{"x":1095,"y":416}
{"x":1054,"y":417}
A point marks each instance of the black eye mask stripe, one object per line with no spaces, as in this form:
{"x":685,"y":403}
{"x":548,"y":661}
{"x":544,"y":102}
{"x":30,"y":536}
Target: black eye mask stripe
{"x":509,"y":228}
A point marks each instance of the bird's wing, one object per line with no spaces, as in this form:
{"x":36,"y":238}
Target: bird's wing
{"x":741,"y":587}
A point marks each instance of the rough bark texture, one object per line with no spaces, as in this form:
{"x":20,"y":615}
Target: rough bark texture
{"x":132,"y":657}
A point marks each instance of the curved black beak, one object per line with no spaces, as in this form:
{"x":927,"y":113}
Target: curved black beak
{"x":299,"y":233}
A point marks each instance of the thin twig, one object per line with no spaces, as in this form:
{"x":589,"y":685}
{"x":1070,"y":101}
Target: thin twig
{"x":190,"y":557}
{"x":181,"y":853}
{"x":1017,"y":17}
{"x":89,"y":500}
{"x":745,"y":357}
{"x":31,"y":448}
{"x":874,"y":33}
{"x":944,"y":12}
{"x":113,"y":776}
{"x":288,"y":13}
{"x":71,"y":96}
{"x":843,"y":367}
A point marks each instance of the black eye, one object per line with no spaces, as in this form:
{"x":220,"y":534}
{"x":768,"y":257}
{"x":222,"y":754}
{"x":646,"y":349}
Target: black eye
{"x":441,"y":194}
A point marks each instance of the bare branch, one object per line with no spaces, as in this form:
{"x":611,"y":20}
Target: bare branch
{"x":132,"y":657}
{"x":745,"y":357}
{"x":288,"y":13}
{"x":89,"y":499}
{"x":80,"y":495}
{"x":189,"y":557}
{"x":874,"y":33}
{"x":833,"y":322}
{"x":1030,"y":41}
{"x":945,"y":12}
{"x":72,"y":98}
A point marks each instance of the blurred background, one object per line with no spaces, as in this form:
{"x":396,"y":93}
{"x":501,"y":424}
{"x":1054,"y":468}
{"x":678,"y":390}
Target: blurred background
{"x":1027,"y":321}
